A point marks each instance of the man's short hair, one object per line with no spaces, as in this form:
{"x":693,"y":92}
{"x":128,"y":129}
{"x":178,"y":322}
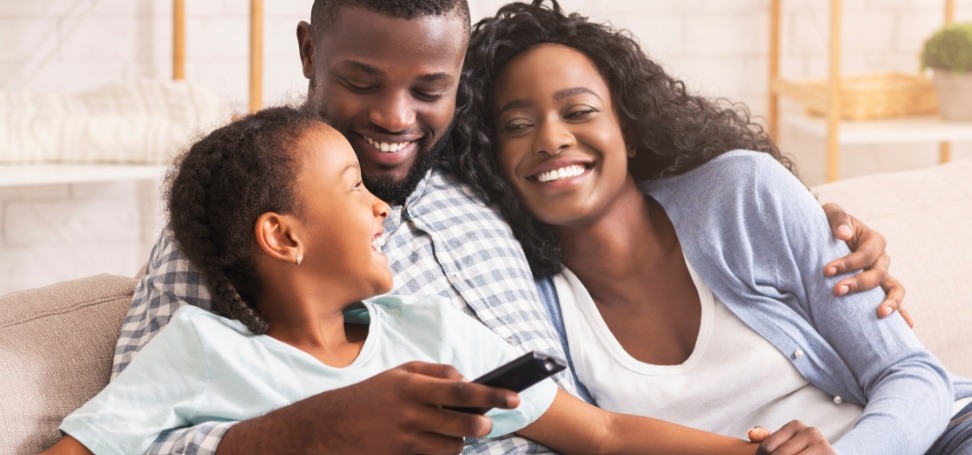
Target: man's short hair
{"x":325,"y":12}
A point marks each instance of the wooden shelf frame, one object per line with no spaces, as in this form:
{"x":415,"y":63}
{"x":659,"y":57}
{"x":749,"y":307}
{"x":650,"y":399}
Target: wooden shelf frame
{"x":831,"y":126}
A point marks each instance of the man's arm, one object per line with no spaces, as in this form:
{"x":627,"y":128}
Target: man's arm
{"x":869,"y":256}
{"x":398,"y":411}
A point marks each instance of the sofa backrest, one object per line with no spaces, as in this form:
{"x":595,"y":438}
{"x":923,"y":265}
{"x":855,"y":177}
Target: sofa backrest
{"x":56,"y":346}
{"x":926,"y":216}
{"x":57,"y":342}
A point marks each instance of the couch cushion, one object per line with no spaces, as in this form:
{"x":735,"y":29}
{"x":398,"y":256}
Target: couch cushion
{"x":56,"y":346}
{"x":926,"y":215}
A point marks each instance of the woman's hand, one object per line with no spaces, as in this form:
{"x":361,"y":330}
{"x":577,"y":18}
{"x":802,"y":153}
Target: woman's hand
{"x":869,"y":257}
{"x":794,"y":438}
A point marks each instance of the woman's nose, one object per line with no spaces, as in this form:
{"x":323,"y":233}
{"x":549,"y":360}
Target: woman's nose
{"x":553,"y":137}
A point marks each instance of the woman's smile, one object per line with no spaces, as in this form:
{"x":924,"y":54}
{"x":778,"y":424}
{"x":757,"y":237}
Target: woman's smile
{"x":559,"y":140}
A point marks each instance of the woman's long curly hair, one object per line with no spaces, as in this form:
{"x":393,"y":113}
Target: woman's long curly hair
{"x":670,"y":130}
{"x":219,"y":188}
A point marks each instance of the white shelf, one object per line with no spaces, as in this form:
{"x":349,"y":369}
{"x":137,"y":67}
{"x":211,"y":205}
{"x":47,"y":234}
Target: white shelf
{"x":900,"y":130}
{"x":52,"y":174}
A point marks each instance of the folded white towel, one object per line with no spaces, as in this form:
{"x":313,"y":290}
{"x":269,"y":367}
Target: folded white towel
{"x":147,"y":121}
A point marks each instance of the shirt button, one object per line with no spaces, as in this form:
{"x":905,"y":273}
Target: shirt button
{"x":511,"y":341}
{"x":798,"y":353}
{"x":838,"y":399}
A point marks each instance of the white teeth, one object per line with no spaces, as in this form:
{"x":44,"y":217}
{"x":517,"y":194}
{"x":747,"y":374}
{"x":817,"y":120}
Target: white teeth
{"x":557,"y":174}
{"x":377,"y":242}
{"x":386,"y":146}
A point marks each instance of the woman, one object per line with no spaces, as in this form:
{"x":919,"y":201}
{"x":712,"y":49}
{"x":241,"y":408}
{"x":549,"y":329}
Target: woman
{"x":697,"y":297}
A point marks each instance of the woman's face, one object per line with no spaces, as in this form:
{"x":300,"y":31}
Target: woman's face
{"x":342,"y":221}
{"x":558,"y":136}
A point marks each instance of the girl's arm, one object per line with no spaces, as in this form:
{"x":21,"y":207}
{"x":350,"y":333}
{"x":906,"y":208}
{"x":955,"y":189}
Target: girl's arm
{"x":67,"y":446}
{"x":573,"y":426}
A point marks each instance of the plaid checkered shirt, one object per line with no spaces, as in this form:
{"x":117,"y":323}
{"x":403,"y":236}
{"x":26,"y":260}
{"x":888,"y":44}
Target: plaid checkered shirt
{"x":443,"y":240}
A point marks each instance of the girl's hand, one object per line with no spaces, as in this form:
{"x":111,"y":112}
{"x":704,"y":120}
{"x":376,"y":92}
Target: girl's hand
{"x":794,"y":438}
{"x":758,"y":434}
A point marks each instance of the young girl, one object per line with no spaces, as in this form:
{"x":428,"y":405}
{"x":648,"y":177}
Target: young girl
{"x":272,"y":209}
{"x":696,"y":297}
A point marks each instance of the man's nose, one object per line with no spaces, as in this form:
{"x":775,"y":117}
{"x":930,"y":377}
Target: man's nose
{"x":394,"y":113}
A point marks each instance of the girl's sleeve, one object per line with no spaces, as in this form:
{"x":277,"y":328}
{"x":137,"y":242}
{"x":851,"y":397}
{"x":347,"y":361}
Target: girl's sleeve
{"x":158,"y":391}
{"x":478,"y":351}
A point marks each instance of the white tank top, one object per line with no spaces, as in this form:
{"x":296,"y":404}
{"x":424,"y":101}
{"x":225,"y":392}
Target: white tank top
{"x":733,"y":380}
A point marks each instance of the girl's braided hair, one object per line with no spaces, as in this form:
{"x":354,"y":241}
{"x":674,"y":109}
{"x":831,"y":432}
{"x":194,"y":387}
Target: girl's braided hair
{"x":218,"y":189}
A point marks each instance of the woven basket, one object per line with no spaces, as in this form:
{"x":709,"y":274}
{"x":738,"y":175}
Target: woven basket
{"x":875,"y":96}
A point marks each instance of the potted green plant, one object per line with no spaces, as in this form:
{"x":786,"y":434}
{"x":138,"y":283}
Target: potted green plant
{"x":949,"y":53}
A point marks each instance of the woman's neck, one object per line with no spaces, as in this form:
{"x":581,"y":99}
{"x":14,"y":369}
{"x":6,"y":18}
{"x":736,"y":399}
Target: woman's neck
{"x":611,"y":254}
{"x":630,"y":261}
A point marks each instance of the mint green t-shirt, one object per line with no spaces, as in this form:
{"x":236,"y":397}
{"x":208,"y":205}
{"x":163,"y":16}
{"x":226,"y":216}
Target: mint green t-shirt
{"x":206,"y":368}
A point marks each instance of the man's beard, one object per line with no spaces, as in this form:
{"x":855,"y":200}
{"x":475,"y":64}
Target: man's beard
{"x":395,"y":193}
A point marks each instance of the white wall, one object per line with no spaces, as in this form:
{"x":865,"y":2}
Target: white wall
{"x":719,"y":47}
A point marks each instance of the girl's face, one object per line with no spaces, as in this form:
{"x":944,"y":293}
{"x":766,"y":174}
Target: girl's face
{"x":342,"y":222}
{"x":558,"y":136}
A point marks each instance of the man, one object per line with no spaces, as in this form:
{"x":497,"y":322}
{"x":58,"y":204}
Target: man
{"x":385,"y":74}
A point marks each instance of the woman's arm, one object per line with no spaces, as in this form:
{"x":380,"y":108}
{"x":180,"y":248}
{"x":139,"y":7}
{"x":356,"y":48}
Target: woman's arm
{"x":905,"y":390}
{"x":761,"y":240}
{"x":573,"y":426}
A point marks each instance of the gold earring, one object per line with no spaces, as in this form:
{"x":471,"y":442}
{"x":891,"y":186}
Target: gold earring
{"x":300,"y":257}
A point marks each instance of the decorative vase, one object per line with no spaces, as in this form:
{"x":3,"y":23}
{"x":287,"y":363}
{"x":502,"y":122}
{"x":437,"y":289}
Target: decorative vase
{"x":954,"y":92}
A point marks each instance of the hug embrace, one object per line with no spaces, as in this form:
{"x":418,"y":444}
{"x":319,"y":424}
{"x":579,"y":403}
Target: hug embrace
{"x":331,"y":273}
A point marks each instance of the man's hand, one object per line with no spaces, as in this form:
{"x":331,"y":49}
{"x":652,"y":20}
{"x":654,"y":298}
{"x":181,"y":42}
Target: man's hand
{"x":794,"y":438}
{"x":868,"y":255}
{"x":397,"y":411}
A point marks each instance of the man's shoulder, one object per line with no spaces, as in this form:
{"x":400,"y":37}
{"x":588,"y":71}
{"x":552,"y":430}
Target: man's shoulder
{"x":447,"y":203}
{"x":444,"y":185}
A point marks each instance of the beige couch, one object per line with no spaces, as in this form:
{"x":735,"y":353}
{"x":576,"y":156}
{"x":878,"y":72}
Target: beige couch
{"x":56,"y":342}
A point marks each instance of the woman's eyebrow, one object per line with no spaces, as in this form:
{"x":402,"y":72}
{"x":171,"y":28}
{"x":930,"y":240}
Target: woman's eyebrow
{"x":514,"y":104}
{"x":568,"y":92}
{"x":558,"y":95}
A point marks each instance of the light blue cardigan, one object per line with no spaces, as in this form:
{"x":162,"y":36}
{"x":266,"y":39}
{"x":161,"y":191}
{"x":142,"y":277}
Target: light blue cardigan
{"x":759,"y":239}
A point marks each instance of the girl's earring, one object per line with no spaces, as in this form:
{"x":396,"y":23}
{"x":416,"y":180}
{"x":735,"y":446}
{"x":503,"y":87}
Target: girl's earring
{"x":632,"y":151}
{"x":300,"y":257}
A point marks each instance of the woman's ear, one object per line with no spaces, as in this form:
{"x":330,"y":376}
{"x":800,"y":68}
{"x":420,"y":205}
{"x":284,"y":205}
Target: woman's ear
{"x":630,"y":147}
{"x":277,"y":235}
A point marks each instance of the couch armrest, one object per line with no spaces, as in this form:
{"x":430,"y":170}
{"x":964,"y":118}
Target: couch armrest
{"x":56,"y":346}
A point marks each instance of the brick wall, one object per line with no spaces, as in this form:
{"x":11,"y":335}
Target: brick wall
{"x":55,"y":232}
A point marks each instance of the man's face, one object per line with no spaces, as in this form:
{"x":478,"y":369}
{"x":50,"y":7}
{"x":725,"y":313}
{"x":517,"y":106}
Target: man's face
{"x":389,"y":85}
